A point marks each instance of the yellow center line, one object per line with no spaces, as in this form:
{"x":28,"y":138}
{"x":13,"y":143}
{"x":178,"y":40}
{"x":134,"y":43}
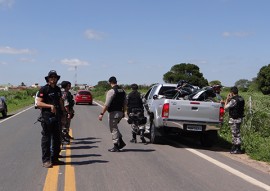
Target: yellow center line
{"x":70,"y":183}
{"x":51,"y":181}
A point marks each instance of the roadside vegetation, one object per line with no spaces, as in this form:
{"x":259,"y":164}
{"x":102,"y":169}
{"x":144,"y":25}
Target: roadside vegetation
{"x":17,"y":99}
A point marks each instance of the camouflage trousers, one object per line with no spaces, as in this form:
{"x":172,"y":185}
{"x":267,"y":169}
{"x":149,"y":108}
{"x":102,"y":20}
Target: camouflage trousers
{"x":236,"y":135}
{"x":114,"y":119}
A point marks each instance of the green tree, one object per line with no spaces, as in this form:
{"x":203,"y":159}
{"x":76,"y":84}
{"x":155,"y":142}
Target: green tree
{"x":242,"y":84}
{"x":253,"y":87}
{"x":102,"y":86}
{"x":183,"y":71}
{"x":263,"y":79}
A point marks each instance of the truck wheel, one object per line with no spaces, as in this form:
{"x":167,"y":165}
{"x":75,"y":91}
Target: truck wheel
{"x":4,"y":112}
{"x":209,"y":138}
{"x":153,"y":134}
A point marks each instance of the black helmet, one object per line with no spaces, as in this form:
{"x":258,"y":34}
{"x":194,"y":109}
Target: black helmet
{"x":64,"y":84}
{"x":134,"y":86}
{"x":181,"y":82}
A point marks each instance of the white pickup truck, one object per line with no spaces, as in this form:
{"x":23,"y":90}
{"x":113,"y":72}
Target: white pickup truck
{"x":175,"y":116}
{"x":3,"y":106}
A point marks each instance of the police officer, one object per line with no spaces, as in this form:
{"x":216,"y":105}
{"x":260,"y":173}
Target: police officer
{"x":68,"y":111}
{"x":235,"y":104}
{"x":134,"y":102}
{"x":115,"y":104}
{"x":50,"y":102}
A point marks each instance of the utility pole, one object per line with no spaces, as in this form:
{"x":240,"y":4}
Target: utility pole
{"x":75,"y":83}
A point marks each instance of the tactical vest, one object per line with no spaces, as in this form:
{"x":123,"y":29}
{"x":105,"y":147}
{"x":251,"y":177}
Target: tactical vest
{"x":117,"y":103}
{"x":238,"y":110}
{"x":134,"y":100}
{"x":70,"y":100}
{"x":51,"y":96}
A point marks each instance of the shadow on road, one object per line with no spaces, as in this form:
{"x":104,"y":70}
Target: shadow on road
{"x":86,"y":162}
{"x":6,"y":116}
{"x":82,"y":156}
{"x":180,"y":141}
{"x":138,"y":150}
{"x":83,"y":143}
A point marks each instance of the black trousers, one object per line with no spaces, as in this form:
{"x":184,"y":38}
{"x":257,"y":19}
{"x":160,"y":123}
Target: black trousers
{"x":50,"y":141}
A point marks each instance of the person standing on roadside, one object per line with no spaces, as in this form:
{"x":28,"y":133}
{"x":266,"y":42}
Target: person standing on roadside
{"x":51,"y":105}
{"x":235,"y":104}
{"x":68,"y":112}
{"x":115,"y":104}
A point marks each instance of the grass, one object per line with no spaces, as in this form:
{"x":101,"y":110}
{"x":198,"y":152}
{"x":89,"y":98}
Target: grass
{"x":17,"y":99}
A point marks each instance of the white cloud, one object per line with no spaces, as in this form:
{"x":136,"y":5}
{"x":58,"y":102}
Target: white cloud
{"x":3,"y":63}
{"x":131,"y":62}
{"x":27,"y":60}
{"x":74,"y":62}
{"x":93,"y":35}
{"x":6,"y":3}
{"x":236,"y":34}
{"x":9,"y":50}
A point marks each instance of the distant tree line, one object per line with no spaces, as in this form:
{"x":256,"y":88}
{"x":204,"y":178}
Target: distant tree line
{"x":192,"y":74}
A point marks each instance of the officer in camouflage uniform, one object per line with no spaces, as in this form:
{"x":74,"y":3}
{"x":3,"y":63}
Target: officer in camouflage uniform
{"x":134,"y":102}
{"x":235,"y":104}
{"x":68,"y":112}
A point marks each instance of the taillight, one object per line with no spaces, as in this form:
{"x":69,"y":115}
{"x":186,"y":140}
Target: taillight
{"x":165,"y":110}
{"x":221,"y":113}
{"x":195,"y":102}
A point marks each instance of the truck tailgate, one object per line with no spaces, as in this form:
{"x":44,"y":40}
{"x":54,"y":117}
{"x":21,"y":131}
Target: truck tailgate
{"x":186,"y":110}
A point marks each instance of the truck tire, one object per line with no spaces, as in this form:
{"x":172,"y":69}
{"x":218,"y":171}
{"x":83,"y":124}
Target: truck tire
{"x":154,"y":138}
{"x":4,"y":112}
{"x":209,"y":138}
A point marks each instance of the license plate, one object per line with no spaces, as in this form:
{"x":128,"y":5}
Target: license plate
{"x":84,"y":97}
{"x":194,"y":127}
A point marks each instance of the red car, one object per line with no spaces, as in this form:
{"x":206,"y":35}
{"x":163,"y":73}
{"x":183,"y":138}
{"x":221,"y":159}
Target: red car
{"x":83,"y":96}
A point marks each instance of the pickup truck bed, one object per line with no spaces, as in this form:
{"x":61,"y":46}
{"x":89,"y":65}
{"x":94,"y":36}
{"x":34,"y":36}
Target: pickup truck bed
{"x":175,"y":116}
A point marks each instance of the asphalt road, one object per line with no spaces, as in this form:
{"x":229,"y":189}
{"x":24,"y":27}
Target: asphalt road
{"x":175,"y":165}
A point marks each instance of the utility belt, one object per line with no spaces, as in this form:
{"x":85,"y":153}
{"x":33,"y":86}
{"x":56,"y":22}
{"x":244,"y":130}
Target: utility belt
{"x":48,"y":118}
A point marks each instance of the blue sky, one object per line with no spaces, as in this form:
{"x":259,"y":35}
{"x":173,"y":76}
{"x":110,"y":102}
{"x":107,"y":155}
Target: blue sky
{"x":137,"y":41}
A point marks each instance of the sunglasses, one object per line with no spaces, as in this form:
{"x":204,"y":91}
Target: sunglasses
{"x":52,"y":76}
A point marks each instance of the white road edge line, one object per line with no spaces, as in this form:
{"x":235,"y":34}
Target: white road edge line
{"x":231,"y":170}
{"x":224,"y":166}
{"x":15,"y":114}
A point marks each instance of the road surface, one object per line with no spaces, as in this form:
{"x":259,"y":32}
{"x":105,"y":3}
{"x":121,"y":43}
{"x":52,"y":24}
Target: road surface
{"x":174,"y":165}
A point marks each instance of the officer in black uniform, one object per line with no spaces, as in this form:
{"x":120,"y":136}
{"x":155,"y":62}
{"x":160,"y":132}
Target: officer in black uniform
{"x":135,"y":105}
{"x":115,"y":104}
{"x":51,"y":105}
{"x":235,"y":104}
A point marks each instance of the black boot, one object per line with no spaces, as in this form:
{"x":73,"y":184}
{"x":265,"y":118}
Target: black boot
{"x":115,"y":148}
{"x":236,"y":149}
{"x":133,"y":140}
{"x":142,"y":136}
{"x":121,"y":144}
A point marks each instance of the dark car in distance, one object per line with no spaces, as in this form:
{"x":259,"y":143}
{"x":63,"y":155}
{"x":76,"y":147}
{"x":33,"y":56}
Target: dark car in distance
{"x":83,"y":96}
{"x":3,"y":106}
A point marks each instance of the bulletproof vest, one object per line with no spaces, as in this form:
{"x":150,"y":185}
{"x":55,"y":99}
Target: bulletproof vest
{"x":51,"y":96}
{"x":238,"y":110}
{"x":134,"y":100}
{"x":117,"y":103}
{"x":70,"y":100}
